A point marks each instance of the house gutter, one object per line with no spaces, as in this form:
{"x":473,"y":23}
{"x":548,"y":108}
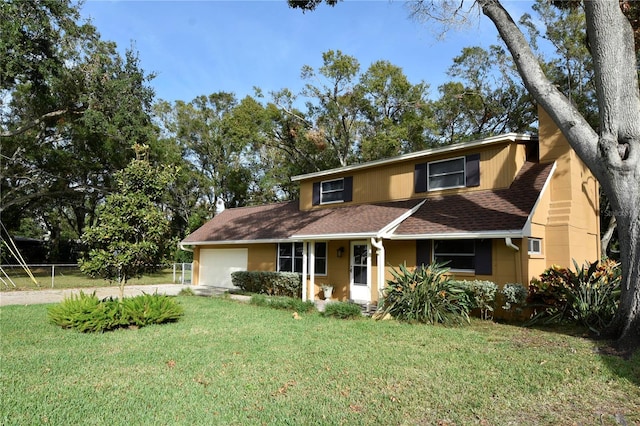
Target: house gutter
{"x":182,"y":246}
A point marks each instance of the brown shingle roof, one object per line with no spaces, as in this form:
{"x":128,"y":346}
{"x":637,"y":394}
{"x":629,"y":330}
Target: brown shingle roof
{"x":269,"y":222}
{"x":471,"y":212}
{"x":359,"y":219}
{"x":475,"y":212}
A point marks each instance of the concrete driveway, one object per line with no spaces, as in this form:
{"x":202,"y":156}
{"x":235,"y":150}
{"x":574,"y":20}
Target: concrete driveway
{"x":56,"y":296}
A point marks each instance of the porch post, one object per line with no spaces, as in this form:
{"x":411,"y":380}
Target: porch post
{"x":312,"y":269}
{"x":380,"y":257}
{"x":304,"y":271}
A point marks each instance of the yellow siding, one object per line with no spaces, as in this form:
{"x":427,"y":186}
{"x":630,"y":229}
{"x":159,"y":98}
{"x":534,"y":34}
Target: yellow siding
{"x":499,"y":164}
{"x":573,"y":214}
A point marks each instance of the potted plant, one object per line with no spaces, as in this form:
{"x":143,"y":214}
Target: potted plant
{"x":327,"y":289}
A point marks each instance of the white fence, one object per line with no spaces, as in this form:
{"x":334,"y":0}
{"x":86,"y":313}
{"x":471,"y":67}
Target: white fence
{"x":40,"y":272}
{"x":15,"y":275}
{"x":182,"y":273}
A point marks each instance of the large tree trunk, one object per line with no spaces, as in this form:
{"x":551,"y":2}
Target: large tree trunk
{"x":614,"y":155}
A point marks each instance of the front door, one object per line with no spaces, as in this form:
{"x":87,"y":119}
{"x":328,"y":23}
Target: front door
{"x":360,"y":270}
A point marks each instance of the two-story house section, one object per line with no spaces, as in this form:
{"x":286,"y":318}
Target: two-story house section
{"x":502,"y":209}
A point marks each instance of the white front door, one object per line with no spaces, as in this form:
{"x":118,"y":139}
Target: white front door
{"x":360,"y":288}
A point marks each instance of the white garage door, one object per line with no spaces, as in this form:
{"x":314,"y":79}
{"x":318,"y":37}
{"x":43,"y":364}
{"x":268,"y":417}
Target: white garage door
{"x":216,"y":266}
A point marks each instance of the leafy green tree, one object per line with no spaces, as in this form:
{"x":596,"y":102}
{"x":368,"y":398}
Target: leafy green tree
{"x":131,"y":235}
{"x":73,"y":107}
{"x":398,"y":114}
{"x":486,"y":99}
{"x":334,"y":107}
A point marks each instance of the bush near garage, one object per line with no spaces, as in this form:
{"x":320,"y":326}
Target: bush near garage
{"x":287,"y":284}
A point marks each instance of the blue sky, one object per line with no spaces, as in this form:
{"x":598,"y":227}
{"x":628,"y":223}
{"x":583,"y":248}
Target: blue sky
{"x":201,"y":47}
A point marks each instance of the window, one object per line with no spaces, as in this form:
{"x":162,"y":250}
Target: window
{"x":290,"y":258}
{"x":535,"y":245}
{"x":333,"y":191}
{"x":459,"y":255}
{"x":321,"y":258}
{"x":453,"y":173}
{"x":446,"y":174}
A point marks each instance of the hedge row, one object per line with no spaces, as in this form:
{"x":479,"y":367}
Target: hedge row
{"x":272,"y":283}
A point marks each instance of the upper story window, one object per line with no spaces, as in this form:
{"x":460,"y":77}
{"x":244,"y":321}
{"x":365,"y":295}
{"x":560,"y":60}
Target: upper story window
{"x":333,"y":191}
{"x":450,"y":173}
{"x":446,"y":174}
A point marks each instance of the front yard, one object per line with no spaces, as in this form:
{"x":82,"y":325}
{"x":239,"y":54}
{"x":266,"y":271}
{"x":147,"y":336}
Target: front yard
{"x":229,"y":363}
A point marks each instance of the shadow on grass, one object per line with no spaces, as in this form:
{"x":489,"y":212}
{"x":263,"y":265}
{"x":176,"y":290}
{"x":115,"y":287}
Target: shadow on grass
{"x":621,"y":364}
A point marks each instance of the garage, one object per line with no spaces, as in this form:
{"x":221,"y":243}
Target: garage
{"x":216,"y":266}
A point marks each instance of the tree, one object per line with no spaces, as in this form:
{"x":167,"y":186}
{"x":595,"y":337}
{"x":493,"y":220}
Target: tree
{"x":612,"y":152}
{"x":130,"y":236}
{"x":482,"y":101}
{"x":336,"y":113}
{"x":397,"y":114}
{"x":74,"y":107}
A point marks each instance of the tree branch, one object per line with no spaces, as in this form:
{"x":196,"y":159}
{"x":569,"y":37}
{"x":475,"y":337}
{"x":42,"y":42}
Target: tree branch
{"x":34,"y":123}
{"x":582,"y":138}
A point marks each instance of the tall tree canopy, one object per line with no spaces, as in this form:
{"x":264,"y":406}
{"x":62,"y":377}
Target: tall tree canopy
{"x":73,"y":108}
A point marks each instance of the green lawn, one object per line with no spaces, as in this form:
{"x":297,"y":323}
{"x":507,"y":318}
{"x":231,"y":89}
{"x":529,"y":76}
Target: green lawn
{"x":71,"y":277}
{"x":229,"y":363}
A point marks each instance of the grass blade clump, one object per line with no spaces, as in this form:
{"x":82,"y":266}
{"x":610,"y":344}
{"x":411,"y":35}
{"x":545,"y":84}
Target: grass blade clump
{"x":87,"y":314}
{"x":281,"y":302}
{"x":342,"y":310}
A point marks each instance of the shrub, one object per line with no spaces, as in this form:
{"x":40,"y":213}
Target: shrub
{"x":86,"y":313}
{"x":266,"y":282}
{"x":514,"y":295}
{"x":285,"y":303}
{"x":482,"y":295}
{"x":187,"y":291}
{"x":425,"y":295}
{"x":342,"y":310}
{"x":148,"y":309}
{"x":589,"y":296}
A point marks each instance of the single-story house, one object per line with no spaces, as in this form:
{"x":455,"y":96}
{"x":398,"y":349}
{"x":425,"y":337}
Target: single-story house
{"x":502,"y":209}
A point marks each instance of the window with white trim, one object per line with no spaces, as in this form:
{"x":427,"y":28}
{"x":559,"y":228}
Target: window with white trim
{"x":446,"y":174}
{"x":332,"y":191}
{"x":458,"y":255}
{"x":290,"y":257}
{"x":534,"y":245}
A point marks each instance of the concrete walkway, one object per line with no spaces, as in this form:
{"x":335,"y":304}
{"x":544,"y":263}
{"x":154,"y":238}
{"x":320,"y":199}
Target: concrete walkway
{"x":55,"y":296}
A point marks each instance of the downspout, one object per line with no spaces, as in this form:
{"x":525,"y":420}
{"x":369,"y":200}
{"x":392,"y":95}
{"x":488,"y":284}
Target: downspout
{"x":380,"y":257}
{"x":185,"y":248}
{"x":518,"y":261}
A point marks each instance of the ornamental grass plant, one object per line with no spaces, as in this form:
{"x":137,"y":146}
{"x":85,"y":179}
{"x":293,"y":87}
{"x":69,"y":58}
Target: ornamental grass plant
{"x":426,"y":295}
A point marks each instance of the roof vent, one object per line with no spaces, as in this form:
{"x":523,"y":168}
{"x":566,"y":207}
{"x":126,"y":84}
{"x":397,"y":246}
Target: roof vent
{"x":220,"y":205}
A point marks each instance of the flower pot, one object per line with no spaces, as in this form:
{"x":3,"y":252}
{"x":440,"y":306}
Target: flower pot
{"x":328,"y":291}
